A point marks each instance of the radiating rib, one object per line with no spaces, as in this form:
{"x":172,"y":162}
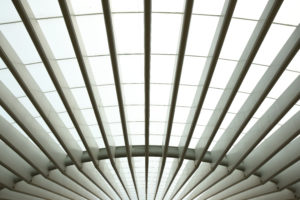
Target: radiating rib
{"x":34,"y":130}
{"x":6,"y":194}
{"x":260,"y":129}
{"x":260,"y":91}
{"x":30,"y":153}
{"x":12,"y":162}
{"x":256,"y":159}
{"x":51,"y":65}
{"x":174,"y":90}
{"x":209,"y":67}
{"x":89,"y":82}
{"x":115,"y":68}
{"x":147,"y":58}
{"x":40,"y":102}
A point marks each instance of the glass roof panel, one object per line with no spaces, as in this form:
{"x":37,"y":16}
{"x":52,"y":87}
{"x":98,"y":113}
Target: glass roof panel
{"x":11,"y":83}
{"x":192,"y":70}
{"x":282,"y":84}
{"x":102,"y":70}
{"x":41,"y":77}
{"x":212,"y":98}
{"x":126,"y":6}
{"x":57,"y":37}
{"x":273,"y":42}
{"x":8,"y":12}
{"x":289,"y":13}
{"x":131,"y":68}
{"x":71,"y":72}
{"x":252,"y":77}
{"x":249,"y":9}
{"x":108,"y":95}
{"x":212,"y":7}
{"x":238,"y":34}
{"x":45,"y":9}
{"x":81,"y":97}
{"x":162,"y":68}
{"x":55,"y":101}
{"x":186,"y":95}
{"x":28,"y":105}
{"x":160,"y":94}
{"x":128,"y":32}
{"x":222,"y":73}
{"x":86,"y":7}
{"x":168,"y":6}
{"x":199,"y":39}
{"x":20,"y":41}
{"x":133,"y":94}
{"x":165,"y":33}
{"x":93,"y":34}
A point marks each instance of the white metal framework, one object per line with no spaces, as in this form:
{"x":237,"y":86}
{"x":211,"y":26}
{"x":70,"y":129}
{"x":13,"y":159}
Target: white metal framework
{"x":153,"y":99}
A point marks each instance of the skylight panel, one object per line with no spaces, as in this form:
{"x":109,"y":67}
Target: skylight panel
{"x":165,"y":33}
{"x":212,"y":98}
{"x":74,"y":134}
{"x":158,"y":113}
{"x":135,"y":113}
{"x":8,"y":12}
{"x":186,"y":95}
{"x":93,"y":34}
{"x":95,"y":130}
{"x":2,"y":65}
{"x":295,"y":63}
{"x":155,"y":139}
{"x":55,"y":101}
{"x":174,"y":141}
{"x":45,"y":9}
{"x":6,"y":116}
{"x":249,"y":9}
{"x":239,"y":100}
{"x":162,"y":68}
{"x":282,"y":84}
{"x":66,"y":119}
{"x":71,"y":72}
{"x":181,"y":114}
{"x":227,"y":119}
{"x":108,"y":95}
{"x":20,"y":41}
{"x":160,"y":94}
{"x":128,"y":32}
{"x":112,"y":114}
{"x":131,"y":68}
{"x":10,"y":82}
{"x":177,"y":129}
{"x":199,"y":39}
{"x":273,"y":42}
{"x":168,"y":6}
{"x":204,"y":117}
{"x":89,"y":116}
{"x":86,"y":7}
{"x":136,"y":128}
{"x":252,"y":77}
{"x":237,"y":37}
{"x":57,"y":36}
{"x":212,"y":7}
{"x":289,"y":13}
{"x":264,"y":106}
{"x":102,"y":70}
{"x":157,"y":128}
{"x":192,"y":70}
{"x":126,"y":6}
{"x":133,"y":94}
{"x":81,"y":97}
{"x":29,"y":107}
{"x":222,"y":73}
{"x":41,"y":77}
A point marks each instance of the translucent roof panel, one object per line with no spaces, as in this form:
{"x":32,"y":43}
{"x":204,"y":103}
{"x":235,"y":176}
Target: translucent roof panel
{"x":92,"y":78}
